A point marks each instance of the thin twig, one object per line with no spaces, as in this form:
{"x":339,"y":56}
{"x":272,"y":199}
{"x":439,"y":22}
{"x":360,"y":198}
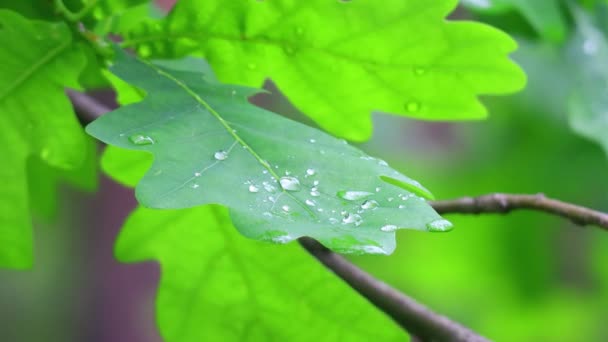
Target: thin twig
{"x":505,"y":203}
{"x":408,"y":313}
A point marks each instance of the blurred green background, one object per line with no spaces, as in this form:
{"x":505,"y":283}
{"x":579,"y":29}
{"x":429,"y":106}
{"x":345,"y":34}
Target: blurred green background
{"x":525,"y":276}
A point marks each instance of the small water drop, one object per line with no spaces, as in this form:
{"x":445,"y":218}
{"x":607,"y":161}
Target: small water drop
{"x":312,"y":141}
{"x":194,"y":186}
{"x":264,"y":171}
{"x":267,"y":214}
{"x":369,"y":204}
{"x":378,"y":189}
{"x":197,"y":174}
{"x":271,"y":199}
{"x":320,"y":210}
{"x":140,"y":139}
{"x":352,"y":218}
{"x":322,"y":151}
{"x":310,"y":203}
{"x":233,"y":92}
{"x":269,"y":187}
{"x":401,"y":206}
{"x":314,"y":192}
{"x":220,"y":155}
{"x":352,"y":195}
{"x":315,"y":183}
{"x":253,"y":188}
{"x":285,"y":208}
{"x":390,"y":199}
{"x":412,"y":106}
{"x":419,"y":71}
{"x":290,"y":183}
{"x":590,"y":46}
{"x":439,"y":225}
{"x":310,"y":172}
{"x":389,"y":228}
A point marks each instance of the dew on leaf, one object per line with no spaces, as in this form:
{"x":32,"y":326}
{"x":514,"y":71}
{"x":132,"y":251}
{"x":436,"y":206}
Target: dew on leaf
{"x":382,"y":163}
{"x":310,"y":202}
{"x":269,"y":187}
{"x":220,"y":155}
{"x":194,"y":186}
{"x":390,"y":199}
{"x":290,"y":183}
{"x":439,"y":225}
{"x":197,"y":174}
{"x":352,"y":195}
{"x":378,"y":189}
{"x":369,"y":204}
{"x":312,"y":141}
{"x":310,"y":172}
{"x":282,"y":239}
{"x":253,"y":188}
{"x":388,"y":228}
{"x":352,"y":218}
{"x":140,"y":139}
{"x":315,"y":183}
{"x":401,"y":206}
{"x":285,"y":208}
{"x":315,"y":192}
{"x":267,"y":214}
{"x":412,"y":106}
{"x":333,"y":220}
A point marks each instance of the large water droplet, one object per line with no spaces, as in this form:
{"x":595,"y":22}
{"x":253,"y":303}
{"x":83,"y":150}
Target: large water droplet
{"x":439,"y":225}
{"x":220,"y":155}
{"x":253,"y":188}
{"x":140,"y":139}
{"x":389,"y":228}
{"x":352,"y":195}
{"x":369,"y":204}
{"x":412,"y":106}
{"x":352,"y":218}
{"x":310,"y":172}
{"x":290,"y":183}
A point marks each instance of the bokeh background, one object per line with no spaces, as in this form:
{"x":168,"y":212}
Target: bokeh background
{"x":525,"y":276}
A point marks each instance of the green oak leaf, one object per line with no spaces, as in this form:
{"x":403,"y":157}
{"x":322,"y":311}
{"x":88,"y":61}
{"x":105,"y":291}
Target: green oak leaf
{"x":338,"y":61}
{"x":38,"y":60}
{"x":281,"y":179}
{"x":544,"y":15}
{"x":587,"y":54}
{"x":218,"y":286}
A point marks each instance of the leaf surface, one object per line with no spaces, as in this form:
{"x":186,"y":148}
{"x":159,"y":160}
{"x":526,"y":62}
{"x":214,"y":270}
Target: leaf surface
{"x":38,"y":60}
{"x":281,"y":179}
{"x":339,"y":61}
{"x":218,"y":286}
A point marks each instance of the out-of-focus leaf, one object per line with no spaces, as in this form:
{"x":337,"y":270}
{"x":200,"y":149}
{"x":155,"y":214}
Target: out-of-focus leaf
{"x":218,"y":286}
{"x":281,"y":179}
{"x":544,"y":15}
{"x":339,"y":61}
{"x":38,"y":60}
{"x":588,"y":55}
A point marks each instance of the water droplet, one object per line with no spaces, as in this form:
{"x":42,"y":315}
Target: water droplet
{"x":267,"y":214}
{"x":389,"y":228}
{"x":310,"y":203}
{"x":264,"y":171}
{"x":310,"y":172}
{"x":299,"y":31}
{"x":197,"y":174}
{"x":401,"y":206}
{"x":412,"y":106}
{"x":378,"y":189}
{"x":312,"y":141}
{"x":439,"y":225}
{"x":352,"y":218}
{"x":315,"y":183}
{"x":253,"y":188}
{"x":140,"y":139}
{"x":290,"y":183}
{"x":285,"y":208}
{"x":282,"y":239}
{"x":314,"y":192}
{"x":351,"y":195}
{"x":333,"y":220}
{"x":390,"y":199}
{"x":252,"y":66}
{"x":271,"y":199}
{"x":419,"y":71}
{"x":382,"y":162}
{"x":269,"y":187}
{"x":369,"y":204}
{"x":220,"y":155}
{"x":320,"y":210}
{"x":194,"y":186}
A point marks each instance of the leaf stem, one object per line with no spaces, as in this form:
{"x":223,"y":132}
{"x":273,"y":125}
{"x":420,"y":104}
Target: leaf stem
{"x":74,"y":16}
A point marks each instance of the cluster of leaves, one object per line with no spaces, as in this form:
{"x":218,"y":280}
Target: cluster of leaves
{"x":336,"y":61}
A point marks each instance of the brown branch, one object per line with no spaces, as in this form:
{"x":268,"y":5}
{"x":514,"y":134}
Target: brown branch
{"x":505,"y":203}
{"x":409,"y":314}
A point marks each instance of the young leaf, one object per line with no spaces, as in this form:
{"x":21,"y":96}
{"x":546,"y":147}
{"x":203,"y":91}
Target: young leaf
{"x":281,"y":179}
{"x":337,"y":61}
{"x":38,"y":60}
{"x":218,"y":286}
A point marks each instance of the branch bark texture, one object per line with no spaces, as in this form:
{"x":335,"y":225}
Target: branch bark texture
{"x":505,"y":203}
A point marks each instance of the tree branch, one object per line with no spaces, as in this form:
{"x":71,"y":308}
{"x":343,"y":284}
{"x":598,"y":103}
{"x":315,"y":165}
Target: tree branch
{"x":505,"y":203}
{"x":409,"y":314}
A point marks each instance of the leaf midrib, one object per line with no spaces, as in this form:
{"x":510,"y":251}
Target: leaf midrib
{"x":228,"y":128}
